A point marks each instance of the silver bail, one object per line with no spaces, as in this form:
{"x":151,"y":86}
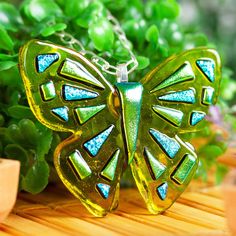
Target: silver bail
{"x":122,"y":73}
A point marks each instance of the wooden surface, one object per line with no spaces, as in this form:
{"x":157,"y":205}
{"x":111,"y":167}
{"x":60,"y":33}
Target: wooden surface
{"x":56,"y":212}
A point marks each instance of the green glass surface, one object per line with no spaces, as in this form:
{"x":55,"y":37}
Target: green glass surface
{"x":131,"y":100}
{"x":48,"y":91}
{"x":79,"y":165}
{"x":182,"y":74}
{"x":173,"y":116}
{"x":182,"y":171}
{"x":156,"y":167}
{"x":76,"y":70}
{"x":110,"y":169}
{"x":86,"y":113}
{"x":208,"y":95}
{"x":125,"y":123}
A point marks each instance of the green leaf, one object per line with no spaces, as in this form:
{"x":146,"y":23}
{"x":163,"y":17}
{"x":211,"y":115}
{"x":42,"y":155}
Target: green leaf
{"x":11,"y":78}
{"x":2,"y":120}
{"x":196,"y":40}
{"x":59,"y":27}
{"x":1,"y":149}
{"x":120,"y":53}
{"x":168,"y":9}
{"x":115,"y":5}
{"x":16,"y":152}
{"x":44,"y":141}
{"x":136,"y":29}
{"x":50,"y":30}
{"x":200,"y":39}
{"x":20,"y":112}
{"x":152,"y":34}
{"x":93,"y":11}
{"x":201,"y":171}
{"x":101,"y":33}
{"x":211,"y":151}
{"x":221,"y":171}
{"x":39,"y":10}
{"x":7,"y":57}
{"x":143,"y":62}
{"x":29,"y":131}
{"x":15,"y":134}
{"x":75,"y":7}
{"x":36,"y":178}
{"x":14,"y":97}
{"x":163,"y":47}
{"x":6,"y":65}
{"x":10,"y":18}
{"x":47,"y":31}
{"x":6,"y":42}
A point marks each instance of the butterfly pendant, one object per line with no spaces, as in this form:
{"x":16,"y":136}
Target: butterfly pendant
{"x":126,"y":123}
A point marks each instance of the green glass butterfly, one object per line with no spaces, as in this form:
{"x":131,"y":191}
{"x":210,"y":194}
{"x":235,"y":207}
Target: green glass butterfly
{"x":112,"y":125}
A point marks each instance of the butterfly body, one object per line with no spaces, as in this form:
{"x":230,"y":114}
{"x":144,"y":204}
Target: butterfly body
{"x":112,"y":125}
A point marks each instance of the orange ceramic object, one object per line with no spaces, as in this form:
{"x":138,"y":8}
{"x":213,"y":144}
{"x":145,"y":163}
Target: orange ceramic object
{"x":229,"y":190}
{"x":9,"y":178}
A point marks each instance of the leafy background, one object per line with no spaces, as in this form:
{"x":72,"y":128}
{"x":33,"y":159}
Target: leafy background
{"x":156,"y":30}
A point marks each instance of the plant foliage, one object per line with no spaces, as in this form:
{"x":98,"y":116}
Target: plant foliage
{"x":154,"y":31}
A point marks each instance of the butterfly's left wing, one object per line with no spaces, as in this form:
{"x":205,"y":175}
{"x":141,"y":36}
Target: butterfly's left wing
{"x":68,"y":93}
{"x":176,"y":98}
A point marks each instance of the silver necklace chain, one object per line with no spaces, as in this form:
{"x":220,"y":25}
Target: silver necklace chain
{"x":105,"y":66}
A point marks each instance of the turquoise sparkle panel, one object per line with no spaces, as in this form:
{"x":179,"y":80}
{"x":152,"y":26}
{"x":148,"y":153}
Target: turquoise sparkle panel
{"x":94,"y":145}
{"x":73,"y":93}
{"x":103,"y":189}
{"x":196,"y":117}
{"x":61,"y":113}
{"x":207,"y":66}
{"x":185,"y":96}
{"x":44,"y":61}
{"x":169,"y":145}
{"x":162,"y":191}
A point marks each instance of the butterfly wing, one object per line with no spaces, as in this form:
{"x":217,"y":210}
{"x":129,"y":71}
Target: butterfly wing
{"x":176,"y":97}
{"x":67,"y":93}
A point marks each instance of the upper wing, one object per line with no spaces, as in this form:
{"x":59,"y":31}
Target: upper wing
{"x":57,"y":81}
{"x":67,"y":93}
{"x":176,"y":97}
{"x":181,"y":90}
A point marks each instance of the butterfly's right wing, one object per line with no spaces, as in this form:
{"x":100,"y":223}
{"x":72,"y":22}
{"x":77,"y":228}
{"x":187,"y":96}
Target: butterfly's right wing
{"x":177,"y":95}
{"x":67,"y":93}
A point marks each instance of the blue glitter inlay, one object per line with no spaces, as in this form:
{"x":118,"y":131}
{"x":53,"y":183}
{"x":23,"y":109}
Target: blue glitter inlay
{"x":103,"y":189}
{"x":196,"y":117}
{"x":61,"y":112}
{"x":207,"y":67}
{"x":45,"y":60}
{"x":72,"y":93}
{"x":162,"y":191}
{"x":94,"y":145}
{"x":186,"y":96}
{"x":169,"y":145}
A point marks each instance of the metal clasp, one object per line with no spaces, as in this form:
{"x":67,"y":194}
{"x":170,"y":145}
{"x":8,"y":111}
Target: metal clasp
{"x":122,"y":73}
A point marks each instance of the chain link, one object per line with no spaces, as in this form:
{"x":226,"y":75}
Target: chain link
{"x":105,"y":66}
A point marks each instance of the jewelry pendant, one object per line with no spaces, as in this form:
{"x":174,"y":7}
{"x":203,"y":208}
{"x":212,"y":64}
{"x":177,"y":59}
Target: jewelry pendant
{"x":126,"y":123}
